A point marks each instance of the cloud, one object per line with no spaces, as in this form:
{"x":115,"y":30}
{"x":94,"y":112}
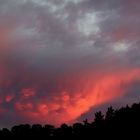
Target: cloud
{"x":61,"y":58}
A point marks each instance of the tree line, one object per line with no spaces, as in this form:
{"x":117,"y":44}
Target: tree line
{"x":114,"y":124}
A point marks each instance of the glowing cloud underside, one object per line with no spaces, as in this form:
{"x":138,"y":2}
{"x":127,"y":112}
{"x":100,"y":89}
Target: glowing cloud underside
{"x":67,"y":108}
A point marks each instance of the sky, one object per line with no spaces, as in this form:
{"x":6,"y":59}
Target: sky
{"x":61,"y":60}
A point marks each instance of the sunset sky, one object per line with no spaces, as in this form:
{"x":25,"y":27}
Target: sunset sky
{"x":61,"y":60}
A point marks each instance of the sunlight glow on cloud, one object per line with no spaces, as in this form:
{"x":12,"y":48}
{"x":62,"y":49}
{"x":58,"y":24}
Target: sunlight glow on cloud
{"x":66,"y":108}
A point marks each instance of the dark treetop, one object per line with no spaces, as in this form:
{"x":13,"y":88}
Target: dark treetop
{"x":115,"y":124}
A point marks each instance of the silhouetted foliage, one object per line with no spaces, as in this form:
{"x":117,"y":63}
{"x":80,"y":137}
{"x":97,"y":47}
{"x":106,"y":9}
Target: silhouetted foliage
{"x":115,"y":124}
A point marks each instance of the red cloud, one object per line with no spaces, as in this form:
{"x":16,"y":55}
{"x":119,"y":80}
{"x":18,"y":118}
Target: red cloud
{"x":23,"y":106}
{"x":66,"y":108}
{"x":9,"y":98}
{"x":27,"y":92}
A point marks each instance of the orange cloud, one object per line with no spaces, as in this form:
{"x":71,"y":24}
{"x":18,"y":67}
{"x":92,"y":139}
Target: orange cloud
{"x":66,"y":107}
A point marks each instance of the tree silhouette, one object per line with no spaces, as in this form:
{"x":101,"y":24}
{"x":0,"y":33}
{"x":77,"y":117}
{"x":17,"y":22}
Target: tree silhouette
{"x":115,"y":124}
{"x":99,"y":117}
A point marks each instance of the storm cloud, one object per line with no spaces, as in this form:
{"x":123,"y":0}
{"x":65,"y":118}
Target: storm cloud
{"x":61,"y":58}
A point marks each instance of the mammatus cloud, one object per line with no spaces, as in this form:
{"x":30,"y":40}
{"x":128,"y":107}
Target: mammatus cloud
{"x":64,"y":107}
{"x":59,"y":59}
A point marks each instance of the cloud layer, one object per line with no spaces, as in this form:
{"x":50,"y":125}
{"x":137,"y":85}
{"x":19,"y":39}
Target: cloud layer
{"x":59,"y":59}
